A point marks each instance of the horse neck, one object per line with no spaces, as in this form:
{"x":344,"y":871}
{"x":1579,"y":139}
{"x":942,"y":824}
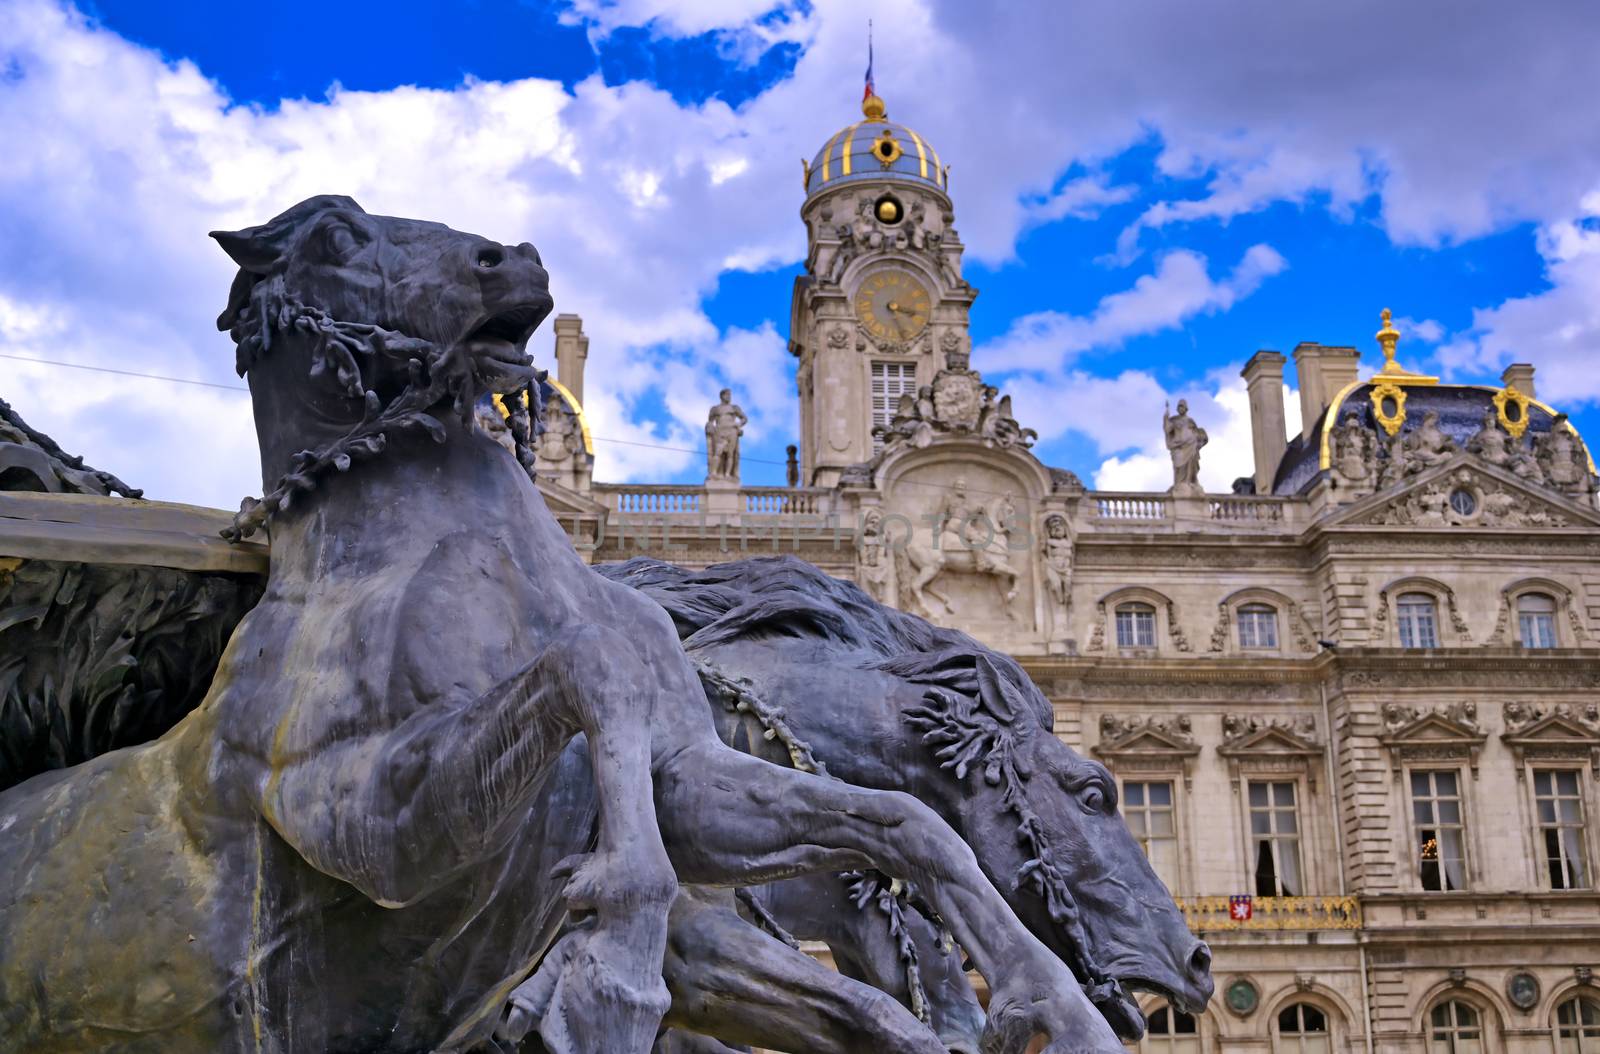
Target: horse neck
{"x":404,"y":500}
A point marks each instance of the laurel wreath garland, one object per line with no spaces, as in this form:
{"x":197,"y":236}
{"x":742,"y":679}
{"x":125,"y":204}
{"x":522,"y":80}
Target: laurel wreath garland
{"x":339,"y":349}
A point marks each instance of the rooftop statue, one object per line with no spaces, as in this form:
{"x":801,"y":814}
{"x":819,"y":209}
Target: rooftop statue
{"x":1184,"y":440}
{"x":352,"y":844}
{"x":724,"y":425}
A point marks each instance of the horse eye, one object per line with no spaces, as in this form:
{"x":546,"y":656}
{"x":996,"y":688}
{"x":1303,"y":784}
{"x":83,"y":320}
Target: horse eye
{"x":341,"y":241}
{"x":1094,"y":800}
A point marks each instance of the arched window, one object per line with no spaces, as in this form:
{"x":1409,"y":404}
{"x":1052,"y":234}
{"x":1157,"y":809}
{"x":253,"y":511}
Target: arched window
{"x":1578,"y":1026}
{"x":1536,"y":620}
{"x":1136,"y":626}
{"x":1169,"y":1031}
{"x":1258,"y":626}
{"x":1303,"y":1029}
{"x":1418,"y":620}
{"x":1455,"y":1027}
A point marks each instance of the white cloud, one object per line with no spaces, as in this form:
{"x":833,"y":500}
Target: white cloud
{"x":1558,"y":330}
{"x":1179,"y":289}
{"x":1460,"y":118}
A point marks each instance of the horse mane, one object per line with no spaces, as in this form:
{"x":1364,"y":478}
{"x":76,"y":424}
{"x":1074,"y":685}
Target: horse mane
{"x":784,"y":596}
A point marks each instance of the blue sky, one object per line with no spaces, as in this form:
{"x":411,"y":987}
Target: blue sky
{"x":1148,"y":194}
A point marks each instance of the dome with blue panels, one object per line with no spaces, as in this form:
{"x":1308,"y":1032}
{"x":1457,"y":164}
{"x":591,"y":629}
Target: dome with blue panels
{"x":875,"y":148}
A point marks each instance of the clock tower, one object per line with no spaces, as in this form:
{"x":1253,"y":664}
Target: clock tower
{"x":882,"y":306}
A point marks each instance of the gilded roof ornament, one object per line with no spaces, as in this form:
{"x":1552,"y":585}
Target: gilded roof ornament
{"x":1388,"y":337}
{"x":873,"y":108}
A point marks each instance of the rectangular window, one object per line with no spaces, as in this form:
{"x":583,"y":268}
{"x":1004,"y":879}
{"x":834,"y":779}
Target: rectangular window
{"x":1136,"y":626}
{"x":1148,"y":809}
{"x":1441,"y":831}
{"x":1258,"y":627}
{"x":1419,"y":625}
{"x":1275,"y":839}
{"x":890,"y":380}
{"x":1559,"y":799}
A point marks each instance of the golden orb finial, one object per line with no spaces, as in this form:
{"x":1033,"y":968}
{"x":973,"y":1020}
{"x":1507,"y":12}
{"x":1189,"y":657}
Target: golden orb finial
{"x":873,"y":108}
{"x":1388,"y":337}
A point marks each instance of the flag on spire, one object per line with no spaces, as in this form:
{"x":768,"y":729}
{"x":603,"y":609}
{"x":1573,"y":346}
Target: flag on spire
{"x":871,"y":91}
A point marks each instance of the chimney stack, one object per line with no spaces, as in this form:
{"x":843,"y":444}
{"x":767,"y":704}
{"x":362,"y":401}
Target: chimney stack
{"x":1263,"y":378}
{"x":1323,"y":372}
{"x":572,"y":347}
{"x":1519,"y":375}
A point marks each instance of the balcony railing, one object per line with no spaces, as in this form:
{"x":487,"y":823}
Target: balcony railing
{"x":1247,"y":509}
{"x":783,"y":501}
{"x":1215,"y":914}
{"x":1105,"y":506}
{"x":652,"y":500}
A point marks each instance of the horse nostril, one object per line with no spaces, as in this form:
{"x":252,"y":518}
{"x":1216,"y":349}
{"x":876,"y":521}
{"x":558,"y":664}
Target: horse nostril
{"x":1200,"y":959}
{"x":490,"y":256}
{"x":527,"y":249}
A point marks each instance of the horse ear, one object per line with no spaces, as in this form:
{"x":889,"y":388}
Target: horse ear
{"x":256,"y":250}
{"x":260,"y":250}
{"x":994,"y":691}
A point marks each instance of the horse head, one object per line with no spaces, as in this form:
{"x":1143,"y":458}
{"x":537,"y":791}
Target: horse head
{"x":354,"y":329}
{"x":883,"y":699}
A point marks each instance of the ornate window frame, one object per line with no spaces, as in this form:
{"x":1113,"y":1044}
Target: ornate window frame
{"x":1281,"y":749}
{"x":1434,"y":739}
{"x":1559,"y":994}
{"x":1169,"y":637}
{"x":1308,"y":991}
{"x":1558,"y":736}
{"x":1296,"y":635}
{"x":1154,"y":748}
{"x":1491,"y":1012}
{"x":1452,"y":627}
{"x":1207,"y":1027}
{"x":1570,"y":629}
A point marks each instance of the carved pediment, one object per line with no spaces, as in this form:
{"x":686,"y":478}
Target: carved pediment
{"x":1284,"y":745}
{"x":1252,"y":734}
{"x":1468,"y":492}
{"x":1555,"y":732}
{"x":1446,"y":732}
{"x":1172,"y":736}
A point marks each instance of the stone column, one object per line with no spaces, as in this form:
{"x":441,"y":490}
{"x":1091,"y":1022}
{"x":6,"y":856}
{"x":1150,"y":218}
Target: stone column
{"x":1263,"y":378}
{"x":572,"y":348}
{"x":1519,"y":375}
{"x":1322,"y":371}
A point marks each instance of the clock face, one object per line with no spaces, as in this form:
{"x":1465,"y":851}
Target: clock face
{"x":892,"y":306}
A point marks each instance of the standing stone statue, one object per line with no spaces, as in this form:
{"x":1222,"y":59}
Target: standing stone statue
{"x":724,"y":425}
{"x":1428,"y":445}
{"x":1563,"y":461}
{"x":875,"y":559}
{"x":1058,"y":560}
{"x":1184,"y":440}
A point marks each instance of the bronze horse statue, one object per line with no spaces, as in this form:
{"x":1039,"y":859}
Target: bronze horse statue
{"x":912,"y":707}
{"x":339,"y":849}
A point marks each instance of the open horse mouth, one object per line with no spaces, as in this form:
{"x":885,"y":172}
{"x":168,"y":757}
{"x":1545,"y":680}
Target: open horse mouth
{"x":504,"y":336}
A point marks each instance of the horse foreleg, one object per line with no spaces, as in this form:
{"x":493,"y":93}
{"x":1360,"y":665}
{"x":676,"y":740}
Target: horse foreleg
{"x":729,"y":818}
{"x":732,"y":981}
{"x":599,"y":991}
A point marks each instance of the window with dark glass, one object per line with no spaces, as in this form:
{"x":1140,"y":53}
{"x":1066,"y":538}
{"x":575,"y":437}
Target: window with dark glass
{"x":1455,"y":1027}
{"x":1558,"y":797}
{"x":1578,"y":1026}
{"x":1136,"y":626}
{"x":1147,"y":806}
{"x":1275,"y":839}
{"x":1536,"y":620}
{"x":1417,"y":617}
{"x":1303,"y":1029}
{"x":1441,"y":831}
{"x":1170,"y":1031}
{"x":1258,"y":626}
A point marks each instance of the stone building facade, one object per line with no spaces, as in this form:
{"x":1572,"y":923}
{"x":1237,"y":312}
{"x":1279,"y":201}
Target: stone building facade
{"x":1353,"y":707}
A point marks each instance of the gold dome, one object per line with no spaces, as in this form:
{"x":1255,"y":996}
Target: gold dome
{"x":875,"y":148}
